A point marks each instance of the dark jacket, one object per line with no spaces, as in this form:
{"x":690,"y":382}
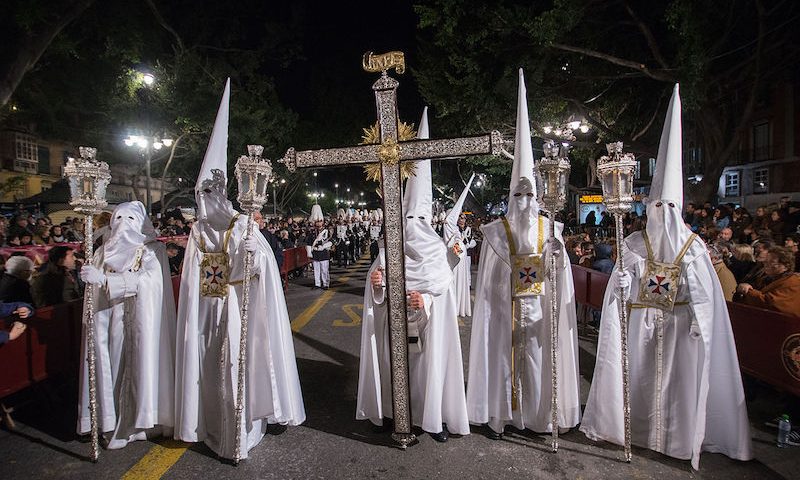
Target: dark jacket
{"x":602,"y":258}
{"x":53,"y":286}
{"x":13,"y":289}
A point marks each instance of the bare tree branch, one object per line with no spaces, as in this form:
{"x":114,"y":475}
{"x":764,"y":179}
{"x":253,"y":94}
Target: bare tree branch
{"x":648,"y":35}
{"x":161,"y":21}
{"x":644,"y":130}
{"x":660,"y":75}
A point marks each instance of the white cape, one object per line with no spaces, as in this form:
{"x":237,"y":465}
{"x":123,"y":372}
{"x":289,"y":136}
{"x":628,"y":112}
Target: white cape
{"x":436,"y":374}
{"x":273,"y":390}
{"x":135,"y":352}
{"x":703,"y":405}
{"x":490,"y":380}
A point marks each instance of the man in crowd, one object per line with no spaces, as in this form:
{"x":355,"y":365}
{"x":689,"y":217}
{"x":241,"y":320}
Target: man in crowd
{"x":56,"y":283}
{"x":319,"y":243}
{"x":15,"y":281}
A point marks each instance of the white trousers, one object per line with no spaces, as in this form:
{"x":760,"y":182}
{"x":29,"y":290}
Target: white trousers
{"x":321,"y":276}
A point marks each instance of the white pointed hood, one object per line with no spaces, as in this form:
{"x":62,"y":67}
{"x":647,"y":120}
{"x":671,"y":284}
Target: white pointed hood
{"x":427,"y":269}
{"x":130,"y":229}
{"x":418,"y":195}
{"x":522,"y":208}
{"x":451,"y":221}
{"x":213,"y":207}
{"x":665,"y":226}
{"x":316,"y":213}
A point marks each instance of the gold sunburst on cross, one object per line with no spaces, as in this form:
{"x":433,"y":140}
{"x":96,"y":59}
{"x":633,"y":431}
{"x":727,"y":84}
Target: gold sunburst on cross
{"x":372,"y":136}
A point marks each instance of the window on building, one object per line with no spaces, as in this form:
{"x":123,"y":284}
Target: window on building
{"x":732,"y":184}
{"x":637,"y":172}
{"x":27,"y":153}
{"x":761,"y":180}
{"x":694,"y":163}
{"x":761,"y":142}
{"x":651,"y":166}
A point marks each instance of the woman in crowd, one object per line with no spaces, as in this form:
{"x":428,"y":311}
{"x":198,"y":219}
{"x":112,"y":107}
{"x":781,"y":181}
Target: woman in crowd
{"x":742,"y":261}
{"x":782,"y":285}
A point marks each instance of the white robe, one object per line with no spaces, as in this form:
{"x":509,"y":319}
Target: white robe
{"x":436,"y":376}
{"x":273,"y":390}
{"x":490,"y":376}
{"x":702,"y":400}
{"x":135,"y":351}
{"x":462,"y":275}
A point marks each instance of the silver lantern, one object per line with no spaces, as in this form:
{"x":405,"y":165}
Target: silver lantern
{"x":615,"y":172}
{"x":88,"y":180}
{"x":551,"y":173}
{"x":252,"y":174}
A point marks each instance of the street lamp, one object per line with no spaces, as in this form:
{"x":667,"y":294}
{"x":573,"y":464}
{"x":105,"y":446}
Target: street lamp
{"x":565,"y":130}
{"x":147,"y":144}
{"x":149,"y":79}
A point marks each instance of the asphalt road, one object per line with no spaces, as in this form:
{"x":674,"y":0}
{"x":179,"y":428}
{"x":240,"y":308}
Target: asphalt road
{"x":332,"y":444}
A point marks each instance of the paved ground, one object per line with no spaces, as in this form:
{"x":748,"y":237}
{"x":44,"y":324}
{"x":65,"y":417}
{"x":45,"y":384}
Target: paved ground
{"x":331,"y":444}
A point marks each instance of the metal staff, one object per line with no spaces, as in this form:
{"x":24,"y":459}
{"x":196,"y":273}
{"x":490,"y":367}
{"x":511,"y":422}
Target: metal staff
{"x":88,"y":180}
{"x":615,"y":172}
{"x":253,"y":174}
{"x":551,"y":178}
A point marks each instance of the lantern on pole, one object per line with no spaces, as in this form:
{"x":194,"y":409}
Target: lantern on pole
{"x":88,"y":180}
{"x":551,"y":173}
{"x":252,"y":174}
{"x":615,"y":172}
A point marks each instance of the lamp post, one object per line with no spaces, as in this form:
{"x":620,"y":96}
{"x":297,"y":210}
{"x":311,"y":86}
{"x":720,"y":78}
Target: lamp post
{"x":88,"y":180}
{"x":552,"y":171}
{"x":147,"y":144}
{"x":252,"y":175}
{"x":615,"y":172}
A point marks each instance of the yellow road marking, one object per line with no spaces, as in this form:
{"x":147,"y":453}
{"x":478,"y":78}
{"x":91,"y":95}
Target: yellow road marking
{"x":306,"y":315}
{"x":355,"y":318}
{"x":157,"y":461}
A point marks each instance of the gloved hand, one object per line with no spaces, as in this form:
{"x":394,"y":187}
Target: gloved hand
{"x":251,"y":244}
{"x":554,"y":246}
{"x":93,"y":275}
{"x":624,"y":280}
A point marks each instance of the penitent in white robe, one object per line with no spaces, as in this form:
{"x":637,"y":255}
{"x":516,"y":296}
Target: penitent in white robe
{"x":436,"y":376}
{"x":490,"y":376}
{"x":135,"y":351}
{"x":462,"y":274}
{"x":204,"y":405}
{"x":700,"y":405}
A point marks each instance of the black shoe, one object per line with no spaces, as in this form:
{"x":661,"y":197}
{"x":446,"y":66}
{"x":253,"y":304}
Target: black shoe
{"x":492,"y":435}
{"x":386,"y":427}
{"x":442,"y":436}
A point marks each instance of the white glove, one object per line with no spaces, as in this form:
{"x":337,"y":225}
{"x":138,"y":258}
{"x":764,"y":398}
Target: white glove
{"x":93,"y":275}
{"x":251,"y":244}
{"x":624,"y":280}
{"x":554,"y":246}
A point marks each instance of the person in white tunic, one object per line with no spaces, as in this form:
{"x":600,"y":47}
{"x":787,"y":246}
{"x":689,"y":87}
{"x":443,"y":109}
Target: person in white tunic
{"x":458,"y":237}
{"x":686,"y":389}
{"x":209,"y":322}
{"x":135,"y":332}
{"x":510,"y":379}
{"x":438,"y":404}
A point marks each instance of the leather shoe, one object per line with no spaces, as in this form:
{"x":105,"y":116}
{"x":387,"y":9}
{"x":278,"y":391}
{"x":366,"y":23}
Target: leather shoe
{"x":492,"y":435}
{"x":442,"y":436}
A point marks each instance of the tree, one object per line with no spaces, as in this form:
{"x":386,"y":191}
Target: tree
{"x":612,"y":63}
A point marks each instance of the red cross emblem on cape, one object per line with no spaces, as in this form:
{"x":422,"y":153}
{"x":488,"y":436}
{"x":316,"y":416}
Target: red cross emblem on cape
{"x":659,"y":285}
{"x":214,"y":274}
{"x":527,"y":275}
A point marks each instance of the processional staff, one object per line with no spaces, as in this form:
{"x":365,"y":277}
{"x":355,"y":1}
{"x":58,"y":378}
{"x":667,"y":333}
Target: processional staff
{"x":252,"y":174}
{"x":615,"y":172}
{"x":88,"y":180}
{"x":552,"y":171}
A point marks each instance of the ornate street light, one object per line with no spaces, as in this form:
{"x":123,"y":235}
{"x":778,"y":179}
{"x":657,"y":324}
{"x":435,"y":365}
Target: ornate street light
{"x":615,"y":172}
{"x":551,"y":174}
{"x":88,"y":180}
{"x":147,"y":144}
{"x":252,"y":174}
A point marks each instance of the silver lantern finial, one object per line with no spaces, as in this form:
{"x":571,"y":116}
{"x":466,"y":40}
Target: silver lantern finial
{"x":88,"y":180}
{"x":253,"y":174}
{"x":615,"y":172}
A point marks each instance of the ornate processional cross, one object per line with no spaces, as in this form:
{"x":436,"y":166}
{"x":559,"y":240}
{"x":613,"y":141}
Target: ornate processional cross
{"x":389,"y":153}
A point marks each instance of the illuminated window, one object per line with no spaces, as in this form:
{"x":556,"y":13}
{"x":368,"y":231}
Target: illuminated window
{"x":732,"y":184}
{"x":761,"y":180}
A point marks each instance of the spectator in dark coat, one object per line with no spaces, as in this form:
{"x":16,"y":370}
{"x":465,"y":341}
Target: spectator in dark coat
{"x":56,"y":283}
{"x":602,"y":258}
{"x":14,"y":284}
